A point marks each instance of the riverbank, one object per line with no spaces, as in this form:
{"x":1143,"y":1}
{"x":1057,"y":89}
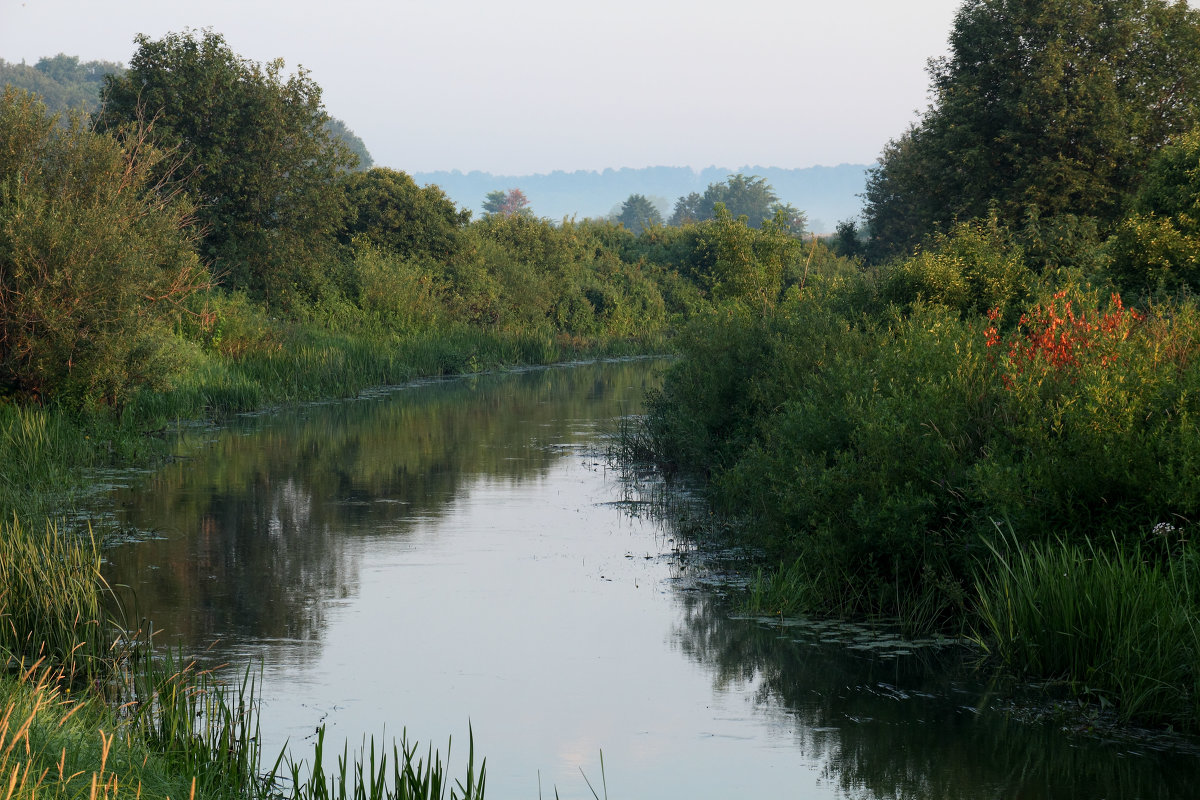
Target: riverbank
{"x":63,"y":605}
{"x":1021,"y":472}
{"x":44,"y":451}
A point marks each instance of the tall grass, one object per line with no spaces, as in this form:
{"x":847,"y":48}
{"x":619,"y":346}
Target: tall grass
{"x":192,"y":736}
{"x":178,"y":730}
{"x":370,"y":775}
{"x":57,"y":745}
{"x":51,"y":600}
{"x":1118,"y":625}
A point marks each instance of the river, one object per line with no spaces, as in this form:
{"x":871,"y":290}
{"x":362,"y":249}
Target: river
{"x":460,"y":553}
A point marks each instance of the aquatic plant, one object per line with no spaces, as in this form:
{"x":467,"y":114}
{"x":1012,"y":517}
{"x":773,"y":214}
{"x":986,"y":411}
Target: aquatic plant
{"x":52,"y":601}
{"x":1116,"y":624}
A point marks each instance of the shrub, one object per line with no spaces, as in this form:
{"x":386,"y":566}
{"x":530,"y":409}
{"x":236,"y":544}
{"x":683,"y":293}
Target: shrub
{"x":973,"y":268}
{"x":1158,"y":244}
{"x":93,"y":253}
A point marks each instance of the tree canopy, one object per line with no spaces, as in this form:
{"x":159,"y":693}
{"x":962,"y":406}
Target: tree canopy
{"x":258,"y":157}
{"x":1052,"y":107}
{"x":1158,"y":244}
{"x":391,"y":211}
{"x":62,"y":82}
{"x":638,"y":213}
{"x":748,"y":196}
{"x":506,"y":204}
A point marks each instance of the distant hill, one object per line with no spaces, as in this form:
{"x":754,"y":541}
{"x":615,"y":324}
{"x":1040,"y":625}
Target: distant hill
{"x":827,"y":194}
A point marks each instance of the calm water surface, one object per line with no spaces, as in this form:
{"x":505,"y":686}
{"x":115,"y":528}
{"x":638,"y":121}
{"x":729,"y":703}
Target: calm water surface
{"x":457,"y":552}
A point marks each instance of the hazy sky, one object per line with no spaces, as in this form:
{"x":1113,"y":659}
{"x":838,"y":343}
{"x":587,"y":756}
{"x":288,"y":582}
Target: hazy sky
{"x":533,"y":85}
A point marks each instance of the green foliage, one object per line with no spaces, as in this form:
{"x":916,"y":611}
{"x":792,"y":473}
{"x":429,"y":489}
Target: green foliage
{"x":388,"y":210}
{"x":1158,"y":245}
{"x":638,"y":213}
{"x":61,"y":82}
{"x":1057,"y":105}
{"x":848,"y":239}
{"x":739,"y":263}
{"x":397,"y":291}
{"x":506,"y":204}
{"x":751,"y":197}
{"x":94,"y":249}
{"x":258,"y":158}
{"x":1117,"y":623}
{"x":522,"y":273}
{"x":871,"y":448}
{"x":974,"y":268}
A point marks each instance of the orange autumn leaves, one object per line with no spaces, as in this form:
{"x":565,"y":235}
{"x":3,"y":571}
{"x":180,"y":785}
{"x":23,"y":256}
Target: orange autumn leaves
{"x":1055,"y":338}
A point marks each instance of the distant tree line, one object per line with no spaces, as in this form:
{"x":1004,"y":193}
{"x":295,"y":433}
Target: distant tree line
{"x":750,"y":197}
{"x":62,"y":82}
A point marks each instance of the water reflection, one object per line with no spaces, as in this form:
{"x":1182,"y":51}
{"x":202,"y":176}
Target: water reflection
{"x":250,"y":528}
{"x":456,"y":551}
{"x":918,"y":722}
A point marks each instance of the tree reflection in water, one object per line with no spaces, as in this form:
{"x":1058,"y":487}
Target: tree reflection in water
{"x":272,"y":521}
{"x":255,"y":529}
{"x":919,"y":726}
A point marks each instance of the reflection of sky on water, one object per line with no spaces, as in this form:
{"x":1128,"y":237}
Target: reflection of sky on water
{"x":453,"y":553}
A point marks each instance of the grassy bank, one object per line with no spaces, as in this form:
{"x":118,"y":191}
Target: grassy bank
{"x":45,"y":450}
{"x":89,"y":708}
{"x":873,"y":434}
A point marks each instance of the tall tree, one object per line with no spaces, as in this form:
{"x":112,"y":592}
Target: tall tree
{"x":748,"y":196}
{"x":638,"y":213}
{"x":506,"y":204}
{"x":392,"y":212}
{"x":257,"y":155}
{"x":1046,"y":106}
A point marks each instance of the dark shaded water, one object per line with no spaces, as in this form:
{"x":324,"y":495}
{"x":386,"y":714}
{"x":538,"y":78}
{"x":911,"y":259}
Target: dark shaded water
{"x":458,"y":551}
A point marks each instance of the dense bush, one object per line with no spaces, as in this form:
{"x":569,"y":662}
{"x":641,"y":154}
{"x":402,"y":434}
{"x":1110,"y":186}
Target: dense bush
{"x":974,"y":268}
{"x":93,"y":251}
{"x":877,"y":448}
{"x":1158,"y":246}
{"x":387,"y":209}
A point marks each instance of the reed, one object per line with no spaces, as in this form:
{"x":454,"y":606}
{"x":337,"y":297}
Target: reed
{"x":59,"y":744}
{"x":370,"y":774}
{"x":52,"y":600}
{"x":1113,"y":624}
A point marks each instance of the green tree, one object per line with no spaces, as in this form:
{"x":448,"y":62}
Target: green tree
{"x":391,"y":211}
{"x":638,"y":213}
{"x":847,"y":239}
{"x":340,"y":131}
{"x":689,"y":208}
{"x":748,"y":196}
{"x":1054,"y":105}
{"x":1158,"y":245}
{"x":94,"y":251}
{"x":506,"y":204}
{"x":263,"y":167}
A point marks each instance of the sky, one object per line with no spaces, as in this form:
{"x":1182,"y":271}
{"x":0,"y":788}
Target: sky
{"x":532,"y":86}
